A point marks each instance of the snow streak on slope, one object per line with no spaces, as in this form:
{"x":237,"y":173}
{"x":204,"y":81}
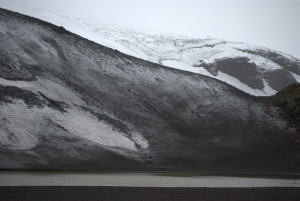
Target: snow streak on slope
{"x":75,"y":120}
{"x":182,"y":52}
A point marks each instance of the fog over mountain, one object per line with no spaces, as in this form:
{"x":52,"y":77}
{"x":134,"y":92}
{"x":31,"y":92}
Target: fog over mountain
{"x":67,"y":103}
{"x":268,"y":23}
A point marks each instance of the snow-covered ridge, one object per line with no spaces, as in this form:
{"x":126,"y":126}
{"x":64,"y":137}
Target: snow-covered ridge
{"x":184,"y":53}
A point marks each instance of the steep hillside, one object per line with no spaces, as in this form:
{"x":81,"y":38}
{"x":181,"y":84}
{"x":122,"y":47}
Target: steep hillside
{"x":69,"y":103}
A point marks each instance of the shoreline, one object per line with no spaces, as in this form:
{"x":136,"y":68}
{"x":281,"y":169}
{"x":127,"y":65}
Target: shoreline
{"x":187,"y":173}
{"x":142,"y":179}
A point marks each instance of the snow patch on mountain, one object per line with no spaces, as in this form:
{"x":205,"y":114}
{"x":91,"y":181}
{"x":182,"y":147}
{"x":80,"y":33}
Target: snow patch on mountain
{"x":235,"y":82}
{"x":85,"y":125}
{"x":180,"y":65}
{"x":54,"y":89}
{"x":297,"y":77}
{"x":75,"y":120}
{"x":22,"y":84}
{"x":22,"y":126}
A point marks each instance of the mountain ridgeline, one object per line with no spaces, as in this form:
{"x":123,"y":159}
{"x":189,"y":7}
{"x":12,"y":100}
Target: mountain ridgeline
{"x":67,"y":103}
{"x":256,"y":70}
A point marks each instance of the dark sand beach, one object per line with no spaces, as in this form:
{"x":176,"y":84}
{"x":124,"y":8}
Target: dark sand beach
{"x":80,"y":193}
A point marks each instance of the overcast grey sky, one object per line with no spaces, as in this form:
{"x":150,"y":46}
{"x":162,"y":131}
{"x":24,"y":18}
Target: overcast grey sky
{"x":271,"y":23}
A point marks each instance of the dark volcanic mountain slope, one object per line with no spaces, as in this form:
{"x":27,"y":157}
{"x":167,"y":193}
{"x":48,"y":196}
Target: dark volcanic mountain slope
{"x":68,"y":103}
{"x":288,"y":100}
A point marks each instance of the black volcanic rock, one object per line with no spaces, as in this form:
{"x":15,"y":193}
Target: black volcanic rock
{"x":93,"y":108}
{"x":239,"y":68}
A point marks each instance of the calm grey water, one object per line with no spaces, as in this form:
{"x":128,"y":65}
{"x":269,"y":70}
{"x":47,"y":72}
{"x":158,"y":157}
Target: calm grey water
{"x":13,"y":178}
